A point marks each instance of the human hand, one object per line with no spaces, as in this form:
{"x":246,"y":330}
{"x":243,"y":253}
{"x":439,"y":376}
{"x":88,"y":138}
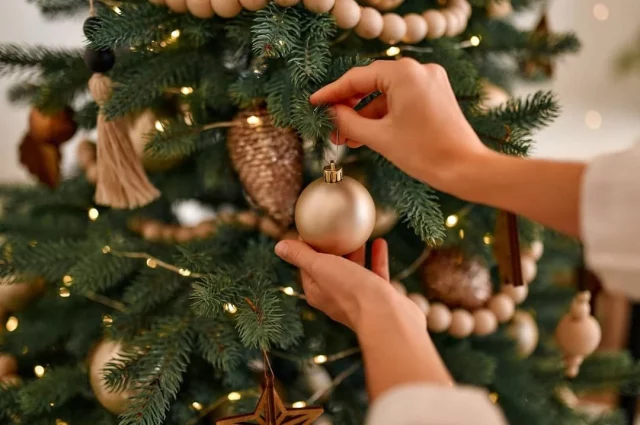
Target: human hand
{"x":416,"y":123}
{"x":345,"y":290}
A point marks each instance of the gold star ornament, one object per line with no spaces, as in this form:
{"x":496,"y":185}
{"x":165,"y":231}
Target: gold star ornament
{"x":271,"y":411}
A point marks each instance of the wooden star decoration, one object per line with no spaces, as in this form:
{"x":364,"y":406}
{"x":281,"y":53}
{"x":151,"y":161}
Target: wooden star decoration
{"x":272,"y":411}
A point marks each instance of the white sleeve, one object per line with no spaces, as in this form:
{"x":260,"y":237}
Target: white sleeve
{"x":610,"y":214}
{"x":424,"y":404}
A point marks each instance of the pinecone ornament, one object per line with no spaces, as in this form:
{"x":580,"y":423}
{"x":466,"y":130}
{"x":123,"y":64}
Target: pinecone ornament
{"x":268,"y":160}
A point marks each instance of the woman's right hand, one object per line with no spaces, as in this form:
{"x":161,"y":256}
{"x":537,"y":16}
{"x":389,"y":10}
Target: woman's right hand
{"x":416,"y":123}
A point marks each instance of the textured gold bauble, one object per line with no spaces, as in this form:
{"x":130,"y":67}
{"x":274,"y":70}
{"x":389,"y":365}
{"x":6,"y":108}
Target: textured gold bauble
{"x":335,"y":214}
{"x":524,"y":330}
{"x":268,"y":160}
{"x":16,"y":296}
{"x":456,"y":280}
{"x":105,"y":352}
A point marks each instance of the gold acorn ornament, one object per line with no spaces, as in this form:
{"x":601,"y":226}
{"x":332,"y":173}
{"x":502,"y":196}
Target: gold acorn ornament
{"x":335,"y":214}
{"x":268,"y":160}
{"x":578,"y":334}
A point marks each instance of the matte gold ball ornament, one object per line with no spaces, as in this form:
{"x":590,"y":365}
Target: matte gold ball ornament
{"x":524,"y":330}
{"x":106,"y":351}
{"x":335,"y":214}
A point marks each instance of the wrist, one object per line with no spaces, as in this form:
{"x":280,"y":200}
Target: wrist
{"x":381,"y":314}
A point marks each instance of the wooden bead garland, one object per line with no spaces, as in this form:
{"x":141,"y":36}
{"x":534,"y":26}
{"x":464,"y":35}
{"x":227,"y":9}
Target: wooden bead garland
{"x":368,"y":22}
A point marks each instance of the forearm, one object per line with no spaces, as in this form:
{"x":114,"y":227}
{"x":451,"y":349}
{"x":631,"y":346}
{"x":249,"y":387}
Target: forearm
{"x":544,"y":191}
{"x":397,"y":351}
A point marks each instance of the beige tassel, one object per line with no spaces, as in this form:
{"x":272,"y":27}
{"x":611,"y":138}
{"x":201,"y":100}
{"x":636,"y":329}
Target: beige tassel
{"x":122,"y":181}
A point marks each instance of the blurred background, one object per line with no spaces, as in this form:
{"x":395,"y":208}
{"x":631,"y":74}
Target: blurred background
{"x":601,"y":109}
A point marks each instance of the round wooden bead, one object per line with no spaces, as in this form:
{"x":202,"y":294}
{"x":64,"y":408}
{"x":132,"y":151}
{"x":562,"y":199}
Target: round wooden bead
{"x":371,"y":23}
{"x":287,"y":3}
{"x":226,"y":8}
{"x":178,"y":6}
{"x":536,"y":250}
{"x":346,"y":13}
{"x":91,"y":173}
{"x":86,"y":153}
{"x":485,"y":321}
{"x":8,"y":365}
{"x":205,"y":229}
{"x":247,"y":219}
{"x":319,"y":6}
{"x":152,"y":230}
{"x":439,"y":318}
{"x":453,"y":23}
{"x":416,"y":28}
{"x":393,"y":28}
{"x":254,"y":5}
{"x":517,"y":293}
{"x":578,"y":337}
{"x":463,"y":19}
{"x":290,"y":235}
{"x":463,"y":5}
{"x":420,"y":301}
{"x":270,"y":228}
{"x":529,"y":269}
{"x":461,"y":323}
{"x":183,"y":234}
{"x":436,"y":23}
{"x":200,"y":8}
{"x":168,"y":232}
{"x":502,"y":306}
{"x":399,"y":287}
{"x":226,"y":216}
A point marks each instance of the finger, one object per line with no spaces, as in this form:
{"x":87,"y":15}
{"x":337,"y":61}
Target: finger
{"x":352,"y":126}
{"x":297,"y":253}
{"x":357,"y":256}
{"x":375,"y":109}
{"x":353,"y":144}
{"x":380,"y":259}
{"x":357,"y":82}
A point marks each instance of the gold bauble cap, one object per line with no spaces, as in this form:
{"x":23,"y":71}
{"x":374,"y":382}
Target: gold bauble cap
{"x":332,"y":173}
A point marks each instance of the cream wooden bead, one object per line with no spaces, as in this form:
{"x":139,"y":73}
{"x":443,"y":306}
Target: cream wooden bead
{"x":416,"y":28}
{"x":461,"y":323}
{"x":183,"y":234}
{"x":151,"y":230}
{"x":517,"y":293}
{"x":226,"y":8}
{"x":158,"y":2}
{"x":270,"y":228}
{"x":287,"y":3}
{"x":536,"y":250}
{"x":420,"y":301}
{"x":370,"y":25}
{"x":439,"y":318}
{"x":200,"y":8}
{"x":399,"y":287}
{"x":393,"y":28}
{"x":485,"y":321}
{"x":529,"y":269}
{"x":502,"y":306}
{"x":319,"y":6}
{"x":178,"y":6}
{"x":463,"y":19}
{"x":436,"y":23}
{"x":247,"y":219}
{"x":462,"y":5}
{"x":254,"y":5}
{"x":453,"y":23}
{"x":168,"y":233}
{"x":204,"y":229}
{"x":346,"y":13}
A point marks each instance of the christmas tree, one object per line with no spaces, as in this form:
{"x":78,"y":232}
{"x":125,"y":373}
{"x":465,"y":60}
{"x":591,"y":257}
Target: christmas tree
{"x":114,"y":311}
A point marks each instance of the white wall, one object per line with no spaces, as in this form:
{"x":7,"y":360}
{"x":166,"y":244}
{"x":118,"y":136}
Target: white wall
{"x":584,"y":82}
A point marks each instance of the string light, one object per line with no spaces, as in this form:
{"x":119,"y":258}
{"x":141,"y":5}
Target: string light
{"x":64,"y":292}
{"x":393,"y":51}
{"x":67,"y":280}
{"x":600,"y":12}
{"x":487,"y":239}
{"x":452,"y":220}
{"x":39,"y":371}
{"x":106,"y":249}
{"x":107,"y":321}
{"x":25,"y":349}
{"x":61,"y":422}
{"x":186,"y":90}
{"x":158,"y":125}
{"x":493,"y":397}
{"x":234,"y":396}
{"x":461,"y":233}
{"x":320,"y":359}
{"x":117,"y":10}
{"x":184,"y":272}
{"x":593,"y":119}
{"x":254,"y":121}
{"x":197,"y":406}
{"x":151,"y":263}
{"x":12,"y":323}
{"x":475,"y":41}
{"x":299,"y":405}
{"x":175,"y":34}
{"x":230,"y":308}
{"x":93,"y":214}
{"x":52,"y":404}
{"x":289,"y":290}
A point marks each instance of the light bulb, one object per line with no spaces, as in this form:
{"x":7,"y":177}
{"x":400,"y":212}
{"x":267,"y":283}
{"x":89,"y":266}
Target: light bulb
{"x":320,"y":359}
{"x":393,"y":51}
{"x":93,"y":214}
{"x":452,"y":220}
{"x":234,"y":396}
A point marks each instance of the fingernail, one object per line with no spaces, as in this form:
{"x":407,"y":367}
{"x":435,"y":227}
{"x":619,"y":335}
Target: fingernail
{"x":281,"y":249}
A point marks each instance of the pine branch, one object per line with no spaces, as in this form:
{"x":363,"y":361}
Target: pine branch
{"x":275,"y":31}
{"x":212,"y":292}
{"x":15,"y":58}
{"x":97,"y":271}
{"x":151,"y":288}
{"x":60,"y":8}
{"x":57,"y":387}
{"x":49,"y":259}
{"x":218,"y":343}
{"x":531,"y":113}
{"x":309,"y":60}
{"x":260,"y":320}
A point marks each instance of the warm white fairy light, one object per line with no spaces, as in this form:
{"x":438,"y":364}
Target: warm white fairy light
{"x":12,"y":323}
{"x":320,"y":359}
{"x":289,"y":290}
{"x":452,"y":220}
{"x":393,"y":51}
{"x":475,"y":41}
{"x":52,"y":404}
{"x":186,"y":90}
{"x":254,"y":121}
{"x":67,"y":280}
{"x":600,"y":12}
{"x":175,"y":34}
{"x":107,"y":321}
{"x":117,"y":10}
{"x":593,"y":120}
{"x":461,"y":233}
{"x":93,"y":214}
{"x":158,"y":125}
{"x":197,"y":406}
{"x":61,"y":422}
{"x":493,"y":397}
{"x":234,"y":396}
{"x":184,"y":272}
{"x":39,"y":371}
{"x":487,"y":239}
{"x":151,"y":263}
{"x":299,"y":405}
{"x":64,"y":292}
{"x":230,"y":308}
{"x":106,"y":249}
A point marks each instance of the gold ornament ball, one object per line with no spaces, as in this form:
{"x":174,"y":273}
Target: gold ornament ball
{"x":141,"y":128}
{"x":335,"y":214}
{"x":103,"y":353}
{"x":16,"y":296}
{"x":8,"y":365}
{"x":456,"y":280}
{"x":524,"y":330}
{"x":386,"y":220}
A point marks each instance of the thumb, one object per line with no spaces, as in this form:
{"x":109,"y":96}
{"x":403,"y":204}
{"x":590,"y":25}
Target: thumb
{"x":297,"y":253}
{"x":353,"y":126}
